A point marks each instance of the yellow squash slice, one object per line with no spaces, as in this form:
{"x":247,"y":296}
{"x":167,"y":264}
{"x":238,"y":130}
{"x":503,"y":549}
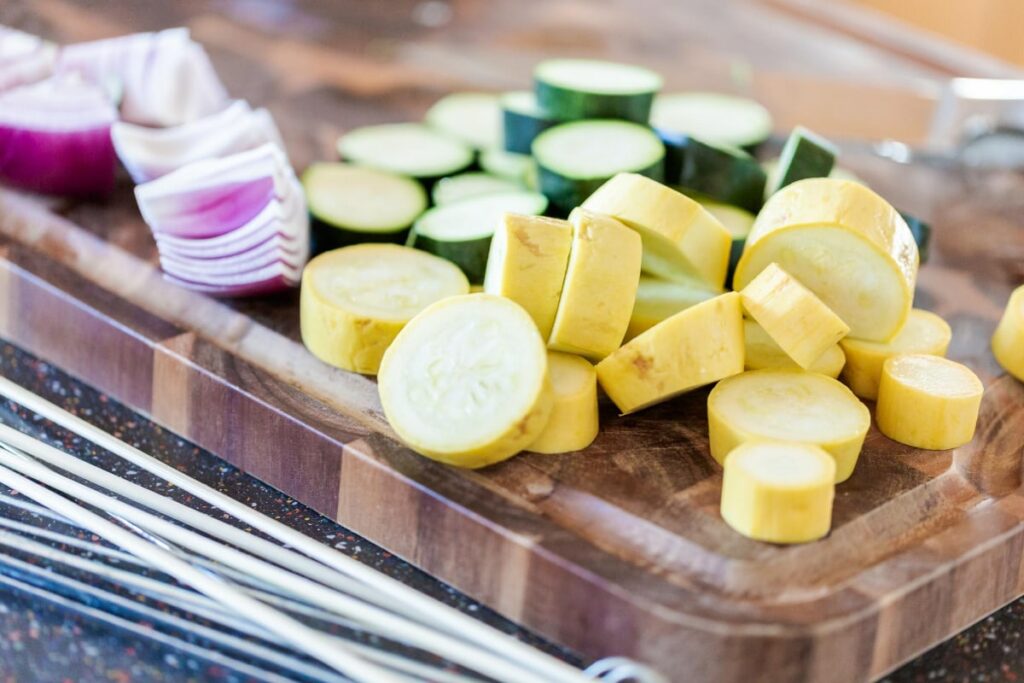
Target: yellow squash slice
{"x":792,"y":316}
{"x":788,"y":405}
{"x":682,"y":240}
{"x":844,"y":243}
{"x":355,"y":300}
{"x":697,"y":346}
{"x":779,"y":491}
{"x":573,"y":424}
{"x":600,"y":286}
{"x":928,"y":401}
{"x":466,"y":381}
{"x":1008,"y":341}
{"x":527,"y":263}
{"x":924,"y":332}
{"x":762,"y":353}
{"x":658,"y":299}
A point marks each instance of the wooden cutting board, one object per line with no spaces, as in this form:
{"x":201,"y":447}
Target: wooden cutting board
{"x":619,"y":549}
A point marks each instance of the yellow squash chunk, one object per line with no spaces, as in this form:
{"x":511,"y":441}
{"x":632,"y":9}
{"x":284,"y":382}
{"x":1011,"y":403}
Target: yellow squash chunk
{"x":788,"y":405}
{"x":697,"y":346}
{"x":779,"y":491}
{"x":658,"y":299}
{"x":844,"y":243}
{"x":527,"y":263}
{"x":793,"y":317}
{"x":600,"y":286}
{"x":762,"y":353}
{"x":681,"y":238}
{"x":928,"y":401}
{"x":466,"y":381}
{"x":355,"y":300}
{"x":573,"y":424}
{"x":1008,"y":341}
{"x":924,"y":332}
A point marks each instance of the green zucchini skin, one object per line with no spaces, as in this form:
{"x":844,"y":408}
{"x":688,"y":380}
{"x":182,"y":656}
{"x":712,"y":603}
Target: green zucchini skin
{"x":565,"y":104}
{"x":922,"y":233}
{"x":521,"y":128}
{"x":725,"y":175}
{"x":469,"y":255}
{"x":565,"y":194}
{"x":325,"y":236}
{"x":809,"y":156}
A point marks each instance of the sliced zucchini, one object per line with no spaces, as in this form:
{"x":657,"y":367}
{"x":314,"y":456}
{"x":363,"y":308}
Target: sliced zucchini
{"x":762,"y":353}
{"x":844,"y":243}
{"x":738,"y":222}
{"x":922,"y":233}
{"x":724,"y":174}
{"x":793,"y":317}
{"x":574,"y":159}
{"x":928,"y":401}
{"x":523,"y":120}
{"x":516,"y":167}
{"x":716,"y":117}
{"x":924,"y":332}
{"x":573,"y":89}
{"x":658,"y":300}
{"x":697,"y":346}
{"x":355,"y":300}
{"x":574,"y":423}
{"x":527,"y":263}
{"x":1008,"y":341}
{"x":681,"y":240}
{"x":778,"y":491}
{"x":469,"y":185}
{"x":600,"y":286}
{"x":466,"y":381}
{"x":410,"y":149}
{"x":771,"y":169}
{"x":805,"y":155}
{"x":461,"y":232}
{"x":351,"y":204}
{"x":788,"y":405}
{"x":472,"y":117}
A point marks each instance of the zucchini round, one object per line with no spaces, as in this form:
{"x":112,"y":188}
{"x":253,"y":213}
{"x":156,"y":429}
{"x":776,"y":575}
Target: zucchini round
{"x":472,"y":117}
{"x":715,"y":117}
{"x":411,"y":149}
{"x":573,"y":89}
{"x":523,"y":120}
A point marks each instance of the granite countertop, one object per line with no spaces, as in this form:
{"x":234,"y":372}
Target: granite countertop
{"x":40,"y":641}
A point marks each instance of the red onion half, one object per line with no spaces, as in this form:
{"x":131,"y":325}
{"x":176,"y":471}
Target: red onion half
{"x":55,"y":138}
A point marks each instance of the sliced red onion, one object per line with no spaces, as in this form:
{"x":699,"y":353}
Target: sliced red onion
{"x":149,"y":153}
{"x":166,"y":78}
{"x":231,"y":226}
{"x":24,"y":58}
{"x":215,"y":196}
{"x":55,"y":138}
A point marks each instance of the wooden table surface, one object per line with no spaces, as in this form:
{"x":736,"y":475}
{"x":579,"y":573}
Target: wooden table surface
{"x":323,"y":67}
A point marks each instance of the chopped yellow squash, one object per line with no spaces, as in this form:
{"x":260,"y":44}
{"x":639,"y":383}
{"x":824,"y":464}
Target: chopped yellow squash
{"x":928,"y":401}
{"x":844,"y":243}
{"x":779,"y":491}
{"x":924,"y":332}
{"x":600,"y":286}
{"x":466,"y":381}
{"x":697,"y":346}
{"x":658,"y":299}
{"x":1008,"y":341}
{"x":682,"y":240}
{"x":762,"y":353}
{"x":793,"y":317}
{"x":527,"y":263}
{"x":356,"y":299}
{"x":788,"y":405}
{"x":573,"y":424}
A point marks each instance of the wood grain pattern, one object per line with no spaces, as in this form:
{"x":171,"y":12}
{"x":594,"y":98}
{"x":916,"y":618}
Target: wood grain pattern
{"x":619,"y":549}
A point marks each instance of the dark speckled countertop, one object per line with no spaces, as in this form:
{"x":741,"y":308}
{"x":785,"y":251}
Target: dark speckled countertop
{"x":40,"y":641}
